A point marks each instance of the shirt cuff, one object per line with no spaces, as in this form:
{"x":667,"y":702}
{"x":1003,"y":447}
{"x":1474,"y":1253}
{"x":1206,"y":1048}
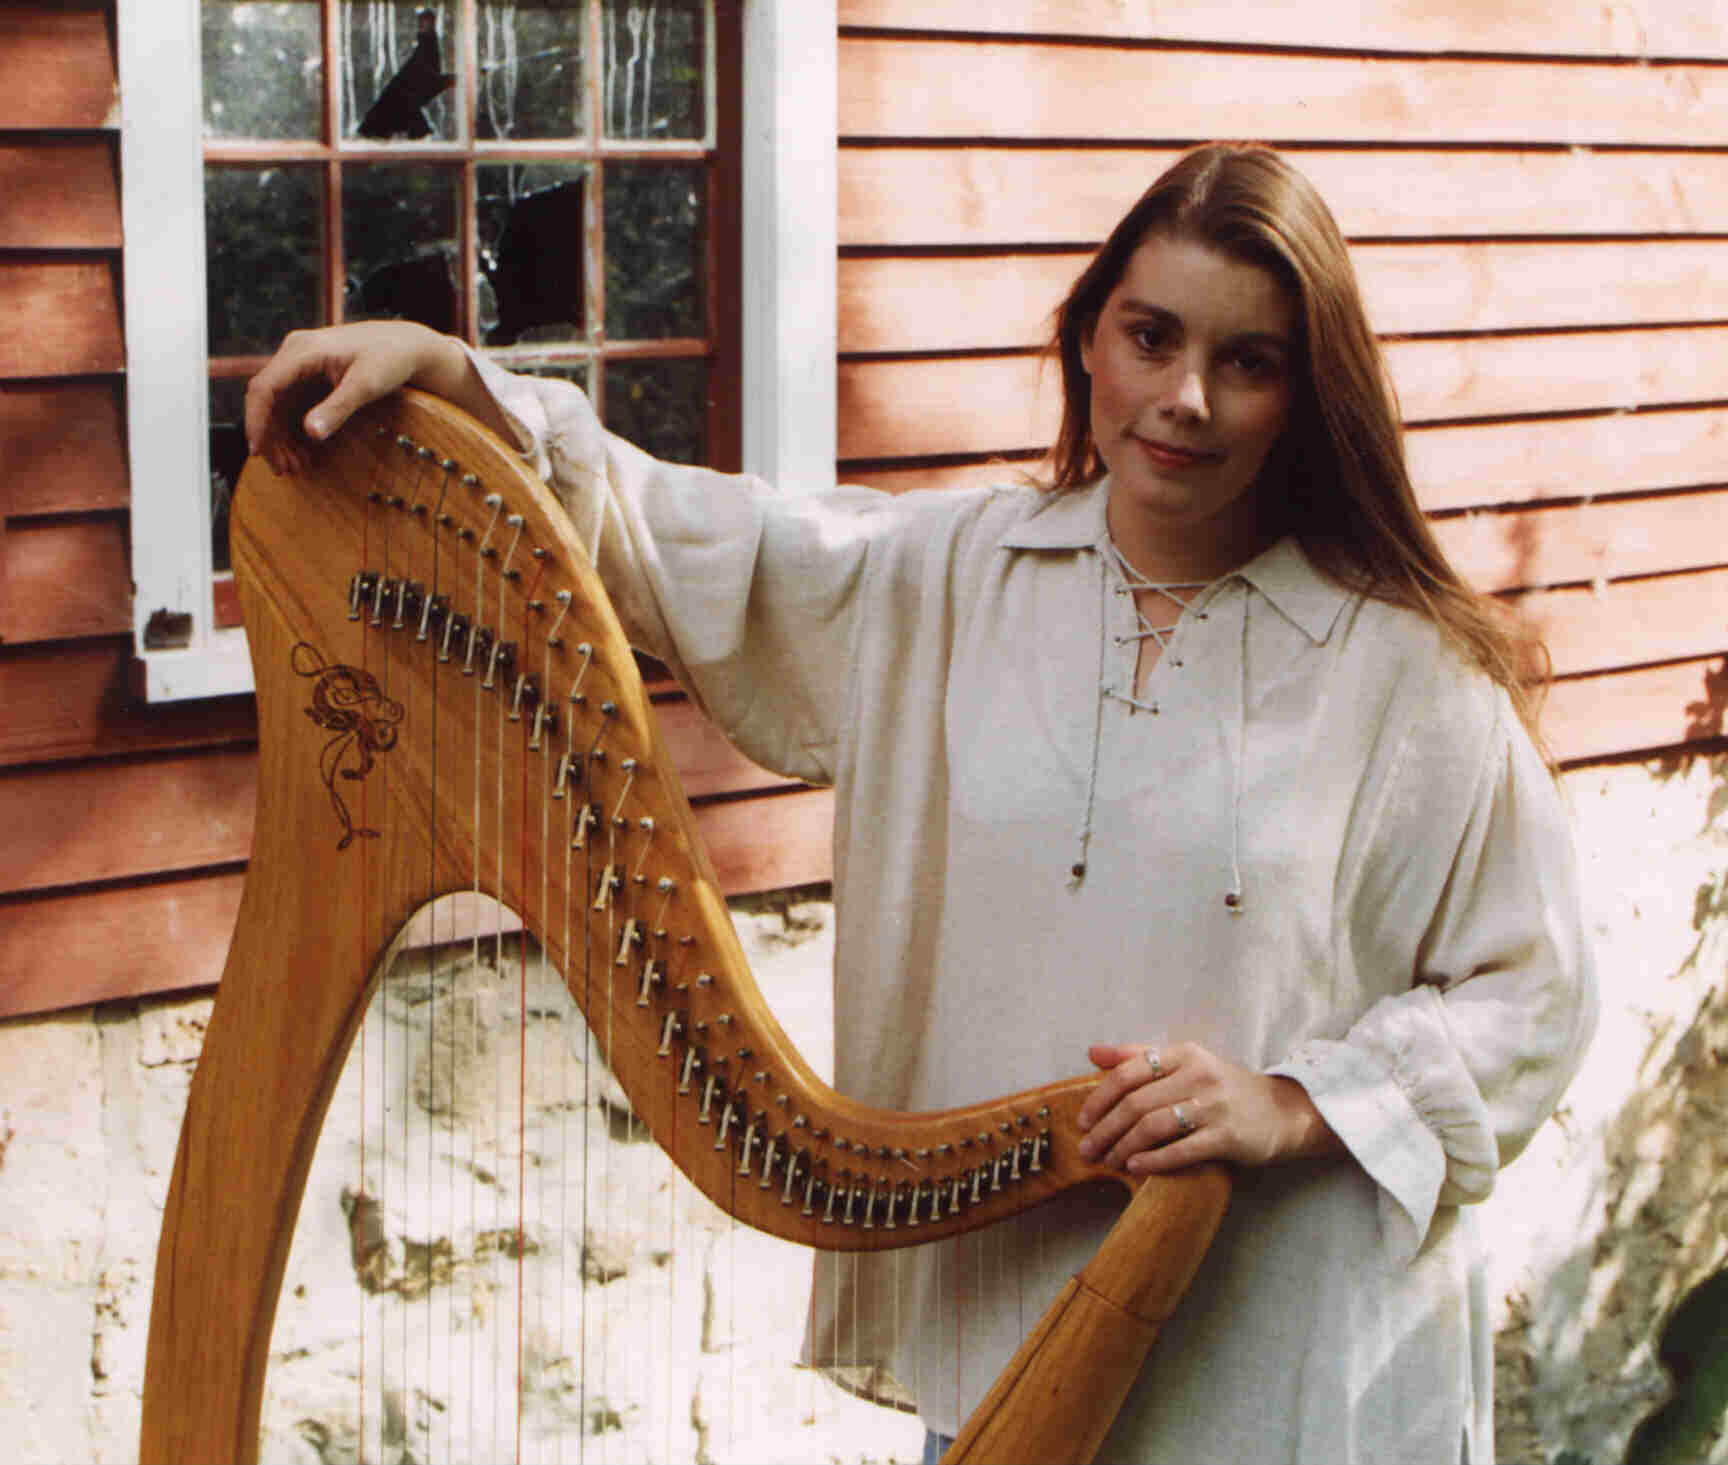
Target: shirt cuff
{"x":522,"y":408}
{"x":1358,"y":1095}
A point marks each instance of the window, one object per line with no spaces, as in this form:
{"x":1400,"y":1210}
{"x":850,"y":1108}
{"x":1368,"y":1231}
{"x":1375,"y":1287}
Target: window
{"x":557,"y":180}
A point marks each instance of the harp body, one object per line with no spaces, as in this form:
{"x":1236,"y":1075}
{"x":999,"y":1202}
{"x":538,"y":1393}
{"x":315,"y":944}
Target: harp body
{"x":446,"y":703}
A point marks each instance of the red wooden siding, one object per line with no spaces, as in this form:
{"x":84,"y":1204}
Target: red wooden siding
{"x":1537,"y":202}
{"x":1539,"y":27}
{"x":128,"y":826}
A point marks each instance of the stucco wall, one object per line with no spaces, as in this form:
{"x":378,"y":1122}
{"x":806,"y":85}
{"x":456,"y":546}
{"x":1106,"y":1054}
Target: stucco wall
{"x":1616,"y":1210}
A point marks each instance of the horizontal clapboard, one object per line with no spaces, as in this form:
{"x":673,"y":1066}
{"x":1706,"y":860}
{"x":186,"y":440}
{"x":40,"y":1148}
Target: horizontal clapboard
{"x":906,"y":88}
{"x":62,"y":447}
{"x":65,"y":579}
{"x":73,"y":189}
{"x":996,"y":403}
{"x":57,"y":65}
{"x":64,"y":702}
{"x":173,"y":933}
{"x":924,"y":302}
{"x":981,"y":405}
{"x":1476,"y":465}
{"x":1542,"y":27}
{"x":95,"y":821}
{"x":59,"y":316}
{"x":985,"y":196}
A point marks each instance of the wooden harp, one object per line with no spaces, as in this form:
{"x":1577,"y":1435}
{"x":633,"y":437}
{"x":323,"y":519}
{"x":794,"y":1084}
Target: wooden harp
{"x":425,"y":624}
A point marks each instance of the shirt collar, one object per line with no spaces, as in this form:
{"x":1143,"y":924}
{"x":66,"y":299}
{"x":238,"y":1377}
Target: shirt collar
{"x":1283,"y":574}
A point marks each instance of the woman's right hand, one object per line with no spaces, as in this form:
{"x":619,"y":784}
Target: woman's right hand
{"x":287,"y":412}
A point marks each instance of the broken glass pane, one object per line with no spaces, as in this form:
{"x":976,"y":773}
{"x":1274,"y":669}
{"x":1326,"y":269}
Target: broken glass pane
{"x":661,"y":406}
{"x":654,"y":69}
{"x":261,"y":230}
{"x":399,"y":70}
{"x":530,"y":69}
{"x":654,"y":248}
{"x":399,"y":241}
{"x":532,"y":274}
{"x":263,"y":69}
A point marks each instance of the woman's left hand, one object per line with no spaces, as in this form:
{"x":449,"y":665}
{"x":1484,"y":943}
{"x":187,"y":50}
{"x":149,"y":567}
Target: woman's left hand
{"x":1158,"y":1109}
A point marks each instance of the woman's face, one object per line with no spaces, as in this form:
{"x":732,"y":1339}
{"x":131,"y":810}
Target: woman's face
{"x":1192,"y":361}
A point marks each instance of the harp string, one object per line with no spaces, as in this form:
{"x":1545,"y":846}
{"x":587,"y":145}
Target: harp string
{"x":387,"y":1064}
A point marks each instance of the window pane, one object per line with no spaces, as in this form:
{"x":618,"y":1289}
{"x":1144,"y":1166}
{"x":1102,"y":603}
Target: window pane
{"x":261,"y":231}
{"x":263,"y":69}
{"x":531,"y":69}
{"x":654,"y":248}
{"x":655,"y":83}
{"x":399,"y":239}
{"x":531,"y":252}
{"x":661,"y":406}
{"x":399,"y":70}
{"x":227,"y":458}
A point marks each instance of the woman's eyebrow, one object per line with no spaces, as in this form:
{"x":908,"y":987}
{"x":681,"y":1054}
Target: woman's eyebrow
{"x":1133,"y":306}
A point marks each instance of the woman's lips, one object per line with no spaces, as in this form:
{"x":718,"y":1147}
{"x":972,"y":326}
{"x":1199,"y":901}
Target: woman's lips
{"x":1168,"y":455}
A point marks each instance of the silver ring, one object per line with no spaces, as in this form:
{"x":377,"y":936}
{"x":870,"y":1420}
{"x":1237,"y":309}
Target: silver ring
{"x":1183,"y":1122}
{"x":1154,"y":1063}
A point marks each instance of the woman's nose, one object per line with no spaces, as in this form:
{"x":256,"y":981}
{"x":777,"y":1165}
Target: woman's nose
{"x":1186,"y":394}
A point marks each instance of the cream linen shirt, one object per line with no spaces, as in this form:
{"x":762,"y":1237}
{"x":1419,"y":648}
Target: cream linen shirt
{"x":1406,"y":941}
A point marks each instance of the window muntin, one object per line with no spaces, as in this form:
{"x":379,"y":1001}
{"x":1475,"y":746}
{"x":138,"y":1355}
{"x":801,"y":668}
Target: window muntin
{"x":451,"y":163}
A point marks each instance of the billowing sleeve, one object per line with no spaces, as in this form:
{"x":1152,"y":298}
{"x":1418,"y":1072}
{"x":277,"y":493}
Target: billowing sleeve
{"x":750,"y":597}
{"x":1466,"y":918}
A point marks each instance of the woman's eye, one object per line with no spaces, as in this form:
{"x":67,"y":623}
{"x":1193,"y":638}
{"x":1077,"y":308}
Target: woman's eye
{"x":1255,"y":363}
{"x":1150,"y":338}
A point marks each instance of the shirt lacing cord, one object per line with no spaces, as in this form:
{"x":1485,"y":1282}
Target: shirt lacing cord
{"x":1133,"y":580}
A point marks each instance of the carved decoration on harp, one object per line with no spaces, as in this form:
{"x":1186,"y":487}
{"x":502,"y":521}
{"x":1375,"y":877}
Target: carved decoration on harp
{"x":514,"y":717}
{"x":348,"y":703}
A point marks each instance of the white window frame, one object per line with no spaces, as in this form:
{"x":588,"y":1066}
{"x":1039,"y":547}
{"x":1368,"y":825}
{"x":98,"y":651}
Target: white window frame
{"x":790,"y":56}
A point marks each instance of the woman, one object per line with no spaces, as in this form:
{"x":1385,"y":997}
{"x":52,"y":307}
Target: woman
{"x":1204,"y":752}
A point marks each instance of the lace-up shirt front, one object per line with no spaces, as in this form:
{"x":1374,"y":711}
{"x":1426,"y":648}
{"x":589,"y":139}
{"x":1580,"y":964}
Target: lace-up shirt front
{"x":1314,"y":841}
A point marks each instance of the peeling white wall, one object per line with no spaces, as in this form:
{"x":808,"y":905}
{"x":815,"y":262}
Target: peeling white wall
{"x":1618,"y":1208}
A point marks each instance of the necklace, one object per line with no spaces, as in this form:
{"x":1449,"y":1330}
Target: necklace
{"x":1168,"y":590}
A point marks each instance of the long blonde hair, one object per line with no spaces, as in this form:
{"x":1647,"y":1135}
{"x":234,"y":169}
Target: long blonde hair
{"x":1346,"y":492}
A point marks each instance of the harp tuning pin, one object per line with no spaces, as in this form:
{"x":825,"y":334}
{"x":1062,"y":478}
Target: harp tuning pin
{"x":472,"y":480}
